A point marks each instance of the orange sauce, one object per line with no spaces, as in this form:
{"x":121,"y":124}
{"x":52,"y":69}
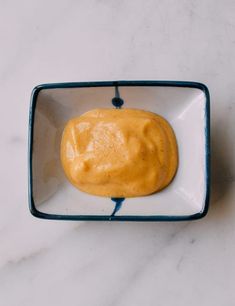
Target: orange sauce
{"x":119,"y":152}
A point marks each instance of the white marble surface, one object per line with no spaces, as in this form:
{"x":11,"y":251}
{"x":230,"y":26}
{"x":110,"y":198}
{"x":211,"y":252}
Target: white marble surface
{"x":104,"y":264}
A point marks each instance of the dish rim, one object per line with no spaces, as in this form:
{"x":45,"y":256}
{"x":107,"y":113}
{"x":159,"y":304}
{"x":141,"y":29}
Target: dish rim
{"x":165,"y":83}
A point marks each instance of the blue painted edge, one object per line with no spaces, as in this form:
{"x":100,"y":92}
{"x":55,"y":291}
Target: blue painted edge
{"x":33,"y":104}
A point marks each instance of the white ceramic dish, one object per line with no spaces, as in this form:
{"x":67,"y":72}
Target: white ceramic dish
{"x":184,"y":104}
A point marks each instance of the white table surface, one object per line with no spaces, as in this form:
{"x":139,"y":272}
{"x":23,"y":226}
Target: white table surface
{"x":116,"y":264}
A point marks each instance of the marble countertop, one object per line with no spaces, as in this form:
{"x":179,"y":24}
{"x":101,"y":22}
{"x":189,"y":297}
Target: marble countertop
{"x":123,"y":264}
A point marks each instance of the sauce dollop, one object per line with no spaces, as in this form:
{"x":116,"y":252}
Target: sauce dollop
{"x":119,"y":152}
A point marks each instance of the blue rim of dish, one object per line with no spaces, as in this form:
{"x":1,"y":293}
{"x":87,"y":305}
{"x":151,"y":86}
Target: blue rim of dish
{"x":188,"y":84}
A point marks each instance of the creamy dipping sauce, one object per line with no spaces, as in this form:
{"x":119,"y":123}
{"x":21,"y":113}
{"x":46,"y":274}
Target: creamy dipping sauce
{"x":119,"y":152}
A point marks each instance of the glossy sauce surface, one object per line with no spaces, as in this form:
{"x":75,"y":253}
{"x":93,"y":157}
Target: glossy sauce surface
{"x":119,"y":152}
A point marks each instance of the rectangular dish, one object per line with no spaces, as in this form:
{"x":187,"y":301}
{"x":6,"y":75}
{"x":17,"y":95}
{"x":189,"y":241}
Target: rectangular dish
{"x":184,"y":104}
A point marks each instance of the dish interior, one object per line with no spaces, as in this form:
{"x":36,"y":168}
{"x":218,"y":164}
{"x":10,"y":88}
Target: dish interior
{"x":183,"y":107}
